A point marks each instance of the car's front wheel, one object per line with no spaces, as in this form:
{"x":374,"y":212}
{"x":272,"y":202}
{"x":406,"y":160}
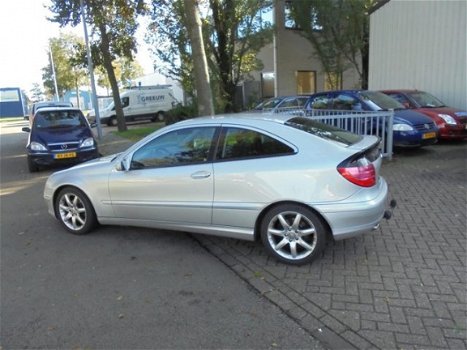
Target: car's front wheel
{"x":74,"y":211}
{"x":32,"y":166}
{"x":293,"y":234}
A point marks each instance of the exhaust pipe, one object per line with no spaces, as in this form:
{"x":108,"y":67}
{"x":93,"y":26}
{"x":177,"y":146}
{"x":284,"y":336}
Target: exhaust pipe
{"x":388,"y":213}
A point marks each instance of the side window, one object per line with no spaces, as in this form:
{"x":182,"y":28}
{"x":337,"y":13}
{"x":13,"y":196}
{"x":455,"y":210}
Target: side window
{"x":344,"y":102}
{"x":400,"y":98}
{"x":125,"y":102}
{"x":243,"y":143}
{"x":290,"y":102}
{"x":178,"y":147}
{"x":319,"y":102}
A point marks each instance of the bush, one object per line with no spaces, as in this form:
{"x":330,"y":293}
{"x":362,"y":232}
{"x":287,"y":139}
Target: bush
{"x":180,"y":113}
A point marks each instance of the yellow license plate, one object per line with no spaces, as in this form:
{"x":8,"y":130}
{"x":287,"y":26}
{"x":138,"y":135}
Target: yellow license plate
{"x":429,"y":135}
{"x":65,"y":155}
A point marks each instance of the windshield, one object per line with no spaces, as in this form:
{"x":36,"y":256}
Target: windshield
{"x":379,"y":101}
{"x":58,"y":119}
{"x":324,"y":131}
{"x":269,"y":104}
{"x":424,"y":99}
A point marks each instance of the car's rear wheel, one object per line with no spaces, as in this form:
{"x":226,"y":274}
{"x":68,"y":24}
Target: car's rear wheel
{"x":160,"y":116}
{"x":112,"y":121}
{"x":293,"y":234}
{"x":32,"y":166}
{"x":75,"y":211}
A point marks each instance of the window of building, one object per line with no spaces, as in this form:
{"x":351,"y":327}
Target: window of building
{"x":332,"y":81}
{"x":306,"y":82}
{"x":267,"y":84}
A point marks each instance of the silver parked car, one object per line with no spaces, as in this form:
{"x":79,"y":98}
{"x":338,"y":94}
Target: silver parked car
{"x":290,"y":181}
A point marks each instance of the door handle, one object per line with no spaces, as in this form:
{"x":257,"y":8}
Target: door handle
{"x":201,"y":175}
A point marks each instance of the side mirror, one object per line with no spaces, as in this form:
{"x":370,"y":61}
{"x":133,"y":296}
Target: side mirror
{"x":93,"y":125}
{"x":26,"y":129}
{"x":124,"y":164}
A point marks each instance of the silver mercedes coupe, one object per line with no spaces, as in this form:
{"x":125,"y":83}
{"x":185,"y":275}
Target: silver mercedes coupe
{"x":289,"y":181}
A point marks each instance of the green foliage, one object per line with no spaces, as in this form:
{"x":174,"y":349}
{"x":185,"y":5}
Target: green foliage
{"x":181,"y":113}
{"x":113,"y":26}
{"x":36,"y":93}
{"x":233,"y":33}
{"x":67,"y":72}
{"x":338,"y":31}
{"x":125,"y":70}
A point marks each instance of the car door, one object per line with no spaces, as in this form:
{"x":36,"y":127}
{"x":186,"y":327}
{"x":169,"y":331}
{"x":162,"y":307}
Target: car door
{"x":246,"y":159}
{"x":170,"y":179}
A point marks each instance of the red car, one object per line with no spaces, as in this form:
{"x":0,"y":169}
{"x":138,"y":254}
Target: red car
{"x":452,"y":123}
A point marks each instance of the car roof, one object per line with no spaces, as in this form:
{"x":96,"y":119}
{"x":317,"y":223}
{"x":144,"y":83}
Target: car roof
{"x":244,"y":118}
{"x":399,"y":90}
{"x":57,"y":108}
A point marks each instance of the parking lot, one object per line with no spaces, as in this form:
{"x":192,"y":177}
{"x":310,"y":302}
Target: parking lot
{"x":402,"y":286}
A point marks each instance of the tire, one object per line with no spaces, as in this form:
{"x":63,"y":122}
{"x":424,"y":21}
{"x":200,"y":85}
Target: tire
{"x":33,"y":168}
{"x":112,"y":121}
{"x":291,"y":241}
{"x":74,"y":211}
{"x":160,"y":116}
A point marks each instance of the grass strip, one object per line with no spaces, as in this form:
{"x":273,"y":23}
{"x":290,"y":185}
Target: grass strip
{"x":137,"y":133}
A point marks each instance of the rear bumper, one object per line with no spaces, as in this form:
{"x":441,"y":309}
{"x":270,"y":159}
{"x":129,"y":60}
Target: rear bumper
{"x":351,"y":218}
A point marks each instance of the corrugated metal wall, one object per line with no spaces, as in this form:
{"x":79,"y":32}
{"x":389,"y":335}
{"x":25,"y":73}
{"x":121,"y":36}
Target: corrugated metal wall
{"x":423,"y":45}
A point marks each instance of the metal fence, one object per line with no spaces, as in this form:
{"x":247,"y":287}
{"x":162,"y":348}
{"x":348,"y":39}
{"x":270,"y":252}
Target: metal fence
{"x":360,"y":122}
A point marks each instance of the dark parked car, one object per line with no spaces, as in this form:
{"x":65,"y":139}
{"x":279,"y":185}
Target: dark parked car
{"x":452,"y":123}
{"x":282,"y":103}
{"x":59,"y":136}
{"x":410,"y":129}
{"x":46,"y":104}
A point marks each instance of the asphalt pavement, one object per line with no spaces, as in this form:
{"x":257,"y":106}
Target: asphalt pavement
{"x":118,"y":287}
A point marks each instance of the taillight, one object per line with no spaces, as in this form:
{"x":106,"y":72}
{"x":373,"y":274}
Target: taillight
{"x":359,"y":172}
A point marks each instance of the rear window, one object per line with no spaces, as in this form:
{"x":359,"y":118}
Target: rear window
{"x":58,"y":119}
{"x":324,"y":131}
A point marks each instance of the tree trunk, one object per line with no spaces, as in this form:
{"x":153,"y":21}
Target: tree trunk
{"x":202,"y":82}
{"x":105,"y":47}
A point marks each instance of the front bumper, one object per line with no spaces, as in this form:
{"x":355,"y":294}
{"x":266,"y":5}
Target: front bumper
{"x":414,"y":139}
{"x":49,"y":159}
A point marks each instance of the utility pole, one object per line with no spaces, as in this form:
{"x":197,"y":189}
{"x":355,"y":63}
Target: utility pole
{"x":53,"y":73}
{"x":91,"y":73}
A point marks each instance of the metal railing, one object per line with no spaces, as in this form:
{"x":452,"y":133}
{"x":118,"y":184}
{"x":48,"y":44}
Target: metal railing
{"x":360,"y":122}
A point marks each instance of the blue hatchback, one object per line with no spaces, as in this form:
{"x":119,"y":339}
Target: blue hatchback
{"x":59,"y":136}
{"x":410,"y":129}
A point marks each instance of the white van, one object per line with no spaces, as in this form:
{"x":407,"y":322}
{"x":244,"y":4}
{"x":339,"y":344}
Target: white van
{"x":144,"y":102}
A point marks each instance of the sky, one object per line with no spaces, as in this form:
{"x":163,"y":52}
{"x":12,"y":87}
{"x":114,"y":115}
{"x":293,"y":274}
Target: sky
{"x":24,"y":34}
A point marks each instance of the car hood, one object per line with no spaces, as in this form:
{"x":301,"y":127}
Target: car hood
{"x":46,"y":136}
{"x":410,"y":117}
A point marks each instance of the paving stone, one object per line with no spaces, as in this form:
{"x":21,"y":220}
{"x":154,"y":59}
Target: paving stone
{"x":399,"y":287}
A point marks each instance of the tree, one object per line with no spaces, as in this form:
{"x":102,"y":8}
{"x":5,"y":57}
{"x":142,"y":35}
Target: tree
{"x":36,"y":93}
{"x":125,"y":71}
{"x":233,"y":33}
{"x":203,"y":86}
{"x":338,"y":31}
{"x":113,"y":24}
{"x":68,"y":74}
